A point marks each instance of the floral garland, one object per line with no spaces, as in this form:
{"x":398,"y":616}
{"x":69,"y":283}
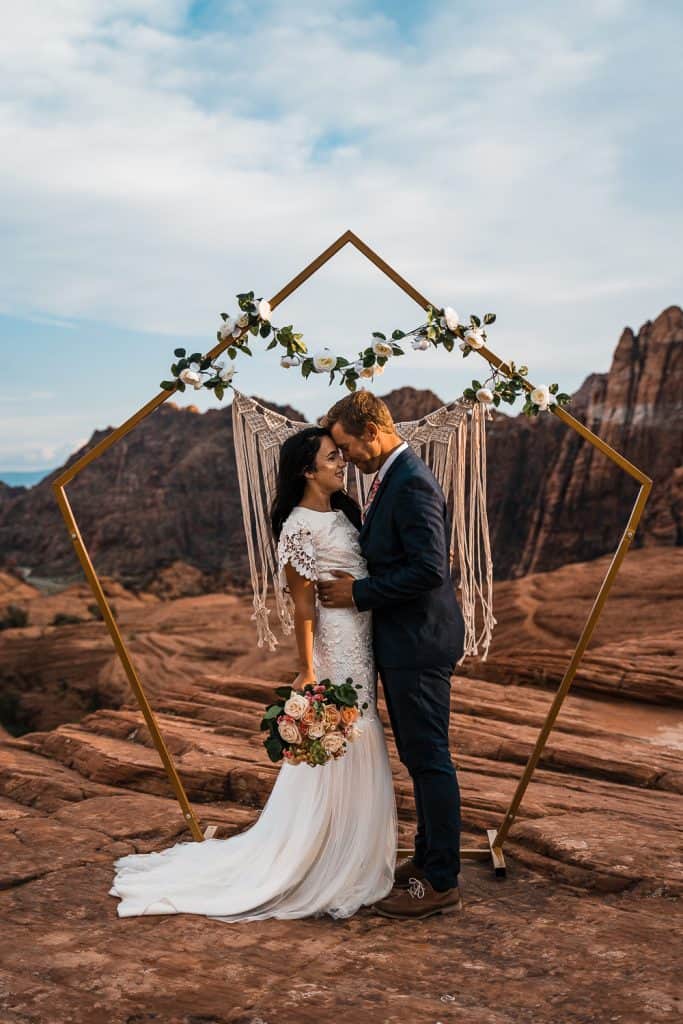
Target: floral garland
{"x":443,"y":328}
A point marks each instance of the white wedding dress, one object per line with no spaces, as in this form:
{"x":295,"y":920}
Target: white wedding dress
{"x":325,"y":841}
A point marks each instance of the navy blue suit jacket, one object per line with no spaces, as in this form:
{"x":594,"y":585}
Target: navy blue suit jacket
{"x":405,"y":540}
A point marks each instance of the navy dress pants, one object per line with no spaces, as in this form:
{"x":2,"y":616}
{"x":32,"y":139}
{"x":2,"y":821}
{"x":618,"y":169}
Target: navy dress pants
{"x":418,"y":701}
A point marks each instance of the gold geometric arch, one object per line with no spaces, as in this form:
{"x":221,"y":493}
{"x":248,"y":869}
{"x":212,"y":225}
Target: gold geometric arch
{"x":495,"y":836}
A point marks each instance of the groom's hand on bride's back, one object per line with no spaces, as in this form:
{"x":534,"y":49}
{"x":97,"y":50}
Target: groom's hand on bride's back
{"x":336,"y":593}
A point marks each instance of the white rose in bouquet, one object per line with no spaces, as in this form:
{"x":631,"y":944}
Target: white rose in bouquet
{"x":316,"y":729}
{"x":541,"y":397}
{"x":353,"y":734}
{"x":474,"y":337}
{"x":288,"y":361}
{"x":289,"y":731}
{"x":333,"y":742}
{"x":191,"y":378}
{"x":485,"y":395}
{"x":451,"y":317}
{"x":295,"y":705}
{"x":227,"y":328}
{"x":420,"y":344}
{"x":264,"y":310}
{"x":382,"y":348}
{"x":324,"y":361}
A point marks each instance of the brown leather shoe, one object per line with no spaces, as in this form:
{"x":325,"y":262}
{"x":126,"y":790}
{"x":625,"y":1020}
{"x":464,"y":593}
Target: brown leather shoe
{"x":419,"y":900}
{"x":406,"y":870}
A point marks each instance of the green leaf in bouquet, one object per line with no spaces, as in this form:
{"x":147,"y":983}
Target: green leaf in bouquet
{"x":272,"y":711}
{"x":180,"y":352}
{"x":274,"y":747}
{"x":195,"y":357}
{"x":167,"y":385}
{"x":284,"y":691}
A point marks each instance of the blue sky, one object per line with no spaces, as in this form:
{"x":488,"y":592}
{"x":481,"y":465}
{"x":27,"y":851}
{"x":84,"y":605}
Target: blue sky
{"x":160,"y":156}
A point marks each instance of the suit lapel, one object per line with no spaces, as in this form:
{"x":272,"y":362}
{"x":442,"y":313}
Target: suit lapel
{"x":380,"y":491}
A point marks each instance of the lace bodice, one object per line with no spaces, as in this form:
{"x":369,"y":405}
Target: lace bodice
{"x":315,"y":543}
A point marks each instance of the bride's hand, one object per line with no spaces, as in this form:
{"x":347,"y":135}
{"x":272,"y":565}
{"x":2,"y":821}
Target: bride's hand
{"x":303,"y":678}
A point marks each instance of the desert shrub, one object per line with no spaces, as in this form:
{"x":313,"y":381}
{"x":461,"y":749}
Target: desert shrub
{"x":94,"y":610}
{"x":65,"y":619}
{"x":14,"y":617}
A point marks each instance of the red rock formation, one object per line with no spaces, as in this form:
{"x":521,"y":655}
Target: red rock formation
{"x":595,"y":843}
{"x":168,"y":492}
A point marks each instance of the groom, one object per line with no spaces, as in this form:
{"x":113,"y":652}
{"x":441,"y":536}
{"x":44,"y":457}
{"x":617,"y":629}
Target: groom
{"x":418,"y":636}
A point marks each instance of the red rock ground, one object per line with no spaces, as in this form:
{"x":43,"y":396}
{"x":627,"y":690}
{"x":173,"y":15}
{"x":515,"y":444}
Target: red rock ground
{"x":584,"y":927}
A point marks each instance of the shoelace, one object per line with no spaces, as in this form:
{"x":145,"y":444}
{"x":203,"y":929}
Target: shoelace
{"x":416,"y":888}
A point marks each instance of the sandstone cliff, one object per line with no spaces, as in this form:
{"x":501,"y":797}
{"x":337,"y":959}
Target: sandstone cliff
{"x":168,"y":492}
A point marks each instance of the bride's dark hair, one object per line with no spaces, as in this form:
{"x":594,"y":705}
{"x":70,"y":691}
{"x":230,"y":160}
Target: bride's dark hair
{"x":297,"y":456}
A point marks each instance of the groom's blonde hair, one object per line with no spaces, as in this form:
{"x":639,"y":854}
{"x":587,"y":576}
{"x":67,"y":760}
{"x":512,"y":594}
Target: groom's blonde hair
{"x":354,"y":412}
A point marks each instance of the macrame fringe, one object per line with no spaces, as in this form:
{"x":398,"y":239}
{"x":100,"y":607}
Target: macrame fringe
{"x":440,"y":439}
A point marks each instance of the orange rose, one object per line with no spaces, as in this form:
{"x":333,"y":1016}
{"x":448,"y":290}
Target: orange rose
{"x":309,"y":716}
{"x":349,"y":715}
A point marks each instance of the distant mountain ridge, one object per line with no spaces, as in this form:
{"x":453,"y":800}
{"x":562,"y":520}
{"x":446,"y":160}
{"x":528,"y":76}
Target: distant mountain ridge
{"x":168,"y":492}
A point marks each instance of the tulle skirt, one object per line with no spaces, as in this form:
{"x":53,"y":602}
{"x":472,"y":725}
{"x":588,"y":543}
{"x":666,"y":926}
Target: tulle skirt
{"x":324,"y":843}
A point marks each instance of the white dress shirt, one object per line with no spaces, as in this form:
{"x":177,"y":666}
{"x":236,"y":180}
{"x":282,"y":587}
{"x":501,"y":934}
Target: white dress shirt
{"x":384,"y":468}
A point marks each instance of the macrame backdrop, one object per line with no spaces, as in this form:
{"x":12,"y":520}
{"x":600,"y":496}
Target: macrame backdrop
{"x":440,"y":439}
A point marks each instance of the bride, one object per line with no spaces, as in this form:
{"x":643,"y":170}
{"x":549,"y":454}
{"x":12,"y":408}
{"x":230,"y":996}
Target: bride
{"x":325,"y":841}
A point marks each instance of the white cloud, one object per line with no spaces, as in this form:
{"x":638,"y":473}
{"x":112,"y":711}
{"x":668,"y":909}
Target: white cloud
{"x":150,"y":171}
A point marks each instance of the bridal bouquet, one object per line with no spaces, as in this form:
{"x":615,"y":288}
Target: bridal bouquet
{"x":314,"y":725}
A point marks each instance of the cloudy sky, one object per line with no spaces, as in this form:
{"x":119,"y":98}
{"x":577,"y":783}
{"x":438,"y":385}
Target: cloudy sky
{"x":160,"y":156}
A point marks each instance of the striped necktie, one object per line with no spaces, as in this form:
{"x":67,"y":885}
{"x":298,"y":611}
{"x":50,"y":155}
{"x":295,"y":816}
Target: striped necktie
{"x":371,"y":494}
